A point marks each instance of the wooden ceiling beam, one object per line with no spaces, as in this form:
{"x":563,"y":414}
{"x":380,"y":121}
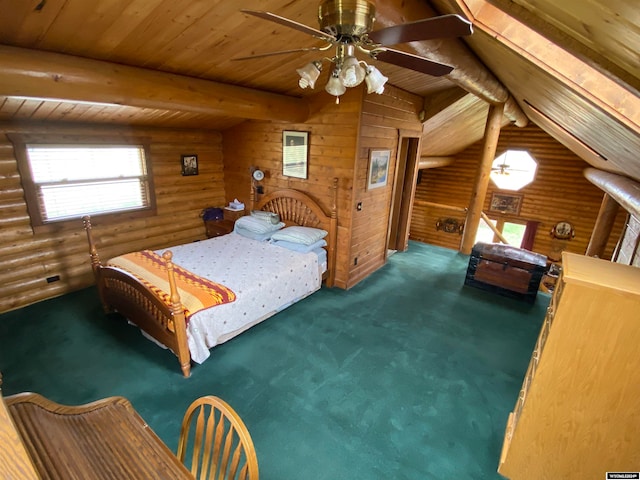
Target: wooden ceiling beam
{"x":39,"y":74}
{"x":622,"y":189}
{"x":434,"y":162}
{"x":468,"y":73}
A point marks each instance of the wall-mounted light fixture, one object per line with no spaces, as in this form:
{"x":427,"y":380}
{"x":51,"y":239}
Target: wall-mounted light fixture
{"x":257,"y":175}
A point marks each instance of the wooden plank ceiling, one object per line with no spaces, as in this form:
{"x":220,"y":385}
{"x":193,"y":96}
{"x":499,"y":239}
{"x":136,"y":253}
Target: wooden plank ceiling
{"x":572,"y":66}
{"x":200,"y":39}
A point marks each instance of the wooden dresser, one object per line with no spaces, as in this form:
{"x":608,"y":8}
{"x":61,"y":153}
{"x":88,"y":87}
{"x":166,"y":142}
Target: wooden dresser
{"x":578,"y":413}
{"x":106,"y":439}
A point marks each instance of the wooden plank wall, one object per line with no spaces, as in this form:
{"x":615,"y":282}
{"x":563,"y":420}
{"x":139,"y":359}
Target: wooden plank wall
{"x":559,"y":192}
{"x":333,"y":132}
{"x":383,"y":117}
{"x":341,"y":137}
{"x":27,"y":259}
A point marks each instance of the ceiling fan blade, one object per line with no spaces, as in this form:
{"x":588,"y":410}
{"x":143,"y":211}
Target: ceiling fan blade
{"x":280,"y":52}
{"x":445,"y":26}
{"x":413,"y":62}
{"x":291,"y":24}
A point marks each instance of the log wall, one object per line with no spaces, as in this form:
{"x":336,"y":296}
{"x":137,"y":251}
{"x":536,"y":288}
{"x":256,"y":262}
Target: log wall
{"x":559,"y":192}
{"x":28,"y":259}
{"x":341,"y":138}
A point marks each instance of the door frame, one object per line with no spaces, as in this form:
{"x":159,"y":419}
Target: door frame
{"x":404,"y":189}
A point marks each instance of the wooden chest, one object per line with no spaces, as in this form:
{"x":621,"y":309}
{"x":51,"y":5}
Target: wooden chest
{"x":506,"y":270}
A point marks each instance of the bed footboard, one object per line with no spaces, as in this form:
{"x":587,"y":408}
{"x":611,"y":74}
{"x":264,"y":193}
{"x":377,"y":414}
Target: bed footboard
{"x":123,"y":293}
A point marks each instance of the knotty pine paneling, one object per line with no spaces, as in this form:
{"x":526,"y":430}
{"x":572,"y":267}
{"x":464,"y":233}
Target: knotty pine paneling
{"x":27,"y":259}
{"x":383,"y":116}
{"x":559,"y":192}
{"x":333,"y":132}
{"x":40,"y":110}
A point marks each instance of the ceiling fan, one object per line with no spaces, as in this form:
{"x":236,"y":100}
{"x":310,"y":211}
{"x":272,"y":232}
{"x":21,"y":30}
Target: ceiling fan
{"x":503,"y":164}
{"x":347,"y":25}
{"x":502,"y":169}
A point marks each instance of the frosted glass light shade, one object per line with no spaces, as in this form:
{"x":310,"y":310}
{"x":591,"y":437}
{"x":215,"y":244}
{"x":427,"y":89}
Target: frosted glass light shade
{"x":352,"y":74}
{"x":375,"y":80}
{"x":309,"y":74}
{"x":334,"y":85}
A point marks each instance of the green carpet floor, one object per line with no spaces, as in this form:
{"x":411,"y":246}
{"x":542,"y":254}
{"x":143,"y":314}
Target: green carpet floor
{"x":409,"y":375}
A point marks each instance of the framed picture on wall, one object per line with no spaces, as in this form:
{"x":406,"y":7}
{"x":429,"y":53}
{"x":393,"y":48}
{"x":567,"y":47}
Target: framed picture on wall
{"x":378,"y":168}
{"x":189,"y":165}
{"x":506,"y":203}
{"x":295,"y":153}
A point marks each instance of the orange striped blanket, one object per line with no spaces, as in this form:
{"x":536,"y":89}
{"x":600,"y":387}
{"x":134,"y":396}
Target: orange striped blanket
{"x":196,"y":293}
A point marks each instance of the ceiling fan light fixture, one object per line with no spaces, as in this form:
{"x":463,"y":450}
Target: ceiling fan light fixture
{"x":352,"y":74}
{"x":347,"y":25}
{"x":375,"y":80}
{"x":309,"y":74}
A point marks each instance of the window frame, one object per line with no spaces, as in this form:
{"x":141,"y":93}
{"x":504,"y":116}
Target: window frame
{"x":20,"y":142}
{"x":503,"y":156}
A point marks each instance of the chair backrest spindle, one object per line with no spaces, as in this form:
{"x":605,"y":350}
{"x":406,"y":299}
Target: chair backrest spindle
{"x":222,"y":448}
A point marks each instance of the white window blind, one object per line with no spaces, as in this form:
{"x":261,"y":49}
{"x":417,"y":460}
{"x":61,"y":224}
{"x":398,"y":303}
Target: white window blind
{"x":72,"y":181}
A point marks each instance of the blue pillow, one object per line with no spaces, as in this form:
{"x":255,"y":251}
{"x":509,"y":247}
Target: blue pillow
{"x":258,"y":225}
{"x":303,"y":235}
{"x":299,"y":247}
{"x":261,"y":237}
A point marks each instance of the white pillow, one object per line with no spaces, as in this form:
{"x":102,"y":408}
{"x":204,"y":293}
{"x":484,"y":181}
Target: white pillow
{"x":258,"y":225}
{"x":303,"y":235}
{"x":299,"y":247}
{"x":270,"y":216}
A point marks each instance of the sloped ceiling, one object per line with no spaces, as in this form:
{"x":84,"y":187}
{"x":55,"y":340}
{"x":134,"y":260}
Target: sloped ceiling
{"x":583,"y":92}
{"x":593,"y":110}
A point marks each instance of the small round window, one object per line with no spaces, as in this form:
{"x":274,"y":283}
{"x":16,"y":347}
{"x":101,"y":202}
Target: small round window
{"x":513,"y":170}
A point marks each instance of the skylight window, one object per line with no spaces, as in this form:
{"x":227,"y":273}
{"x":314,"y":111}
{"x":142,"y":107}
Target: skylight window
{"x":513,"y":170}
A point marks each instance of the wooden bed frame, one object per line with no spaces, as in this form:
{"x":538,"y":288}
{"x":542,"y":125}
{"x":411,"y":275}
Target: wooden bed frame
{"x":120,"y":291}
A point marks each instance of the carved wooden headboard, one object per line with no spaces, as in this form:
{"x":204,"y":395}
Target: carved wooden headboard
{"x":298,"y":208}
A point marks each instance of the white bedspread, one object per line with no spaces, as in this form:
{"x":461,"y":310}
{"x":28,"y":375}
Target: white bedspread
{"x":265,"y":279}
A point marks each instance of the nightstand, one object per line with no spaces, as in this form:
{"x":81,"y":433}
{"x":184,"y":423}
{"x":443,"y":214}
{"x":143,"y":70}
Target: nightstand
{"x":233,"y":215}
{"x":215,"y":228}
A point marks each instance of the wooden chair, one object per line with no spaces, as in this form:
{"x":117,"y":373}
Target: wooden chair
{"x":220,"y":448}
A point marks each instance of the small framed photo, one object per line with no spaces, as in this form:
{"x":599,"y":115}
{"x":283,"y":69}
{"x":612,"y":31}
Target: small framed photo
{"x":189,"y":165}
{"x":378,"y":168}
{"x":295,"y":153}
{"x":506,"y":203}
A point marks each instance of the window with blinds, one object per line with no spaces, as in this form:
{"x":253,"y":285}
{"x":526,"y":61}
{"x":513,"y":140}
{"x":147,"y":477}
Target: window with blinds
{"x":70,"y":181}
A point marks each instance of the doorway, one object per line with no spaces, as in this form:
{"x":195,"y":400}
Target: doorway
{"x":403,"y":192}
